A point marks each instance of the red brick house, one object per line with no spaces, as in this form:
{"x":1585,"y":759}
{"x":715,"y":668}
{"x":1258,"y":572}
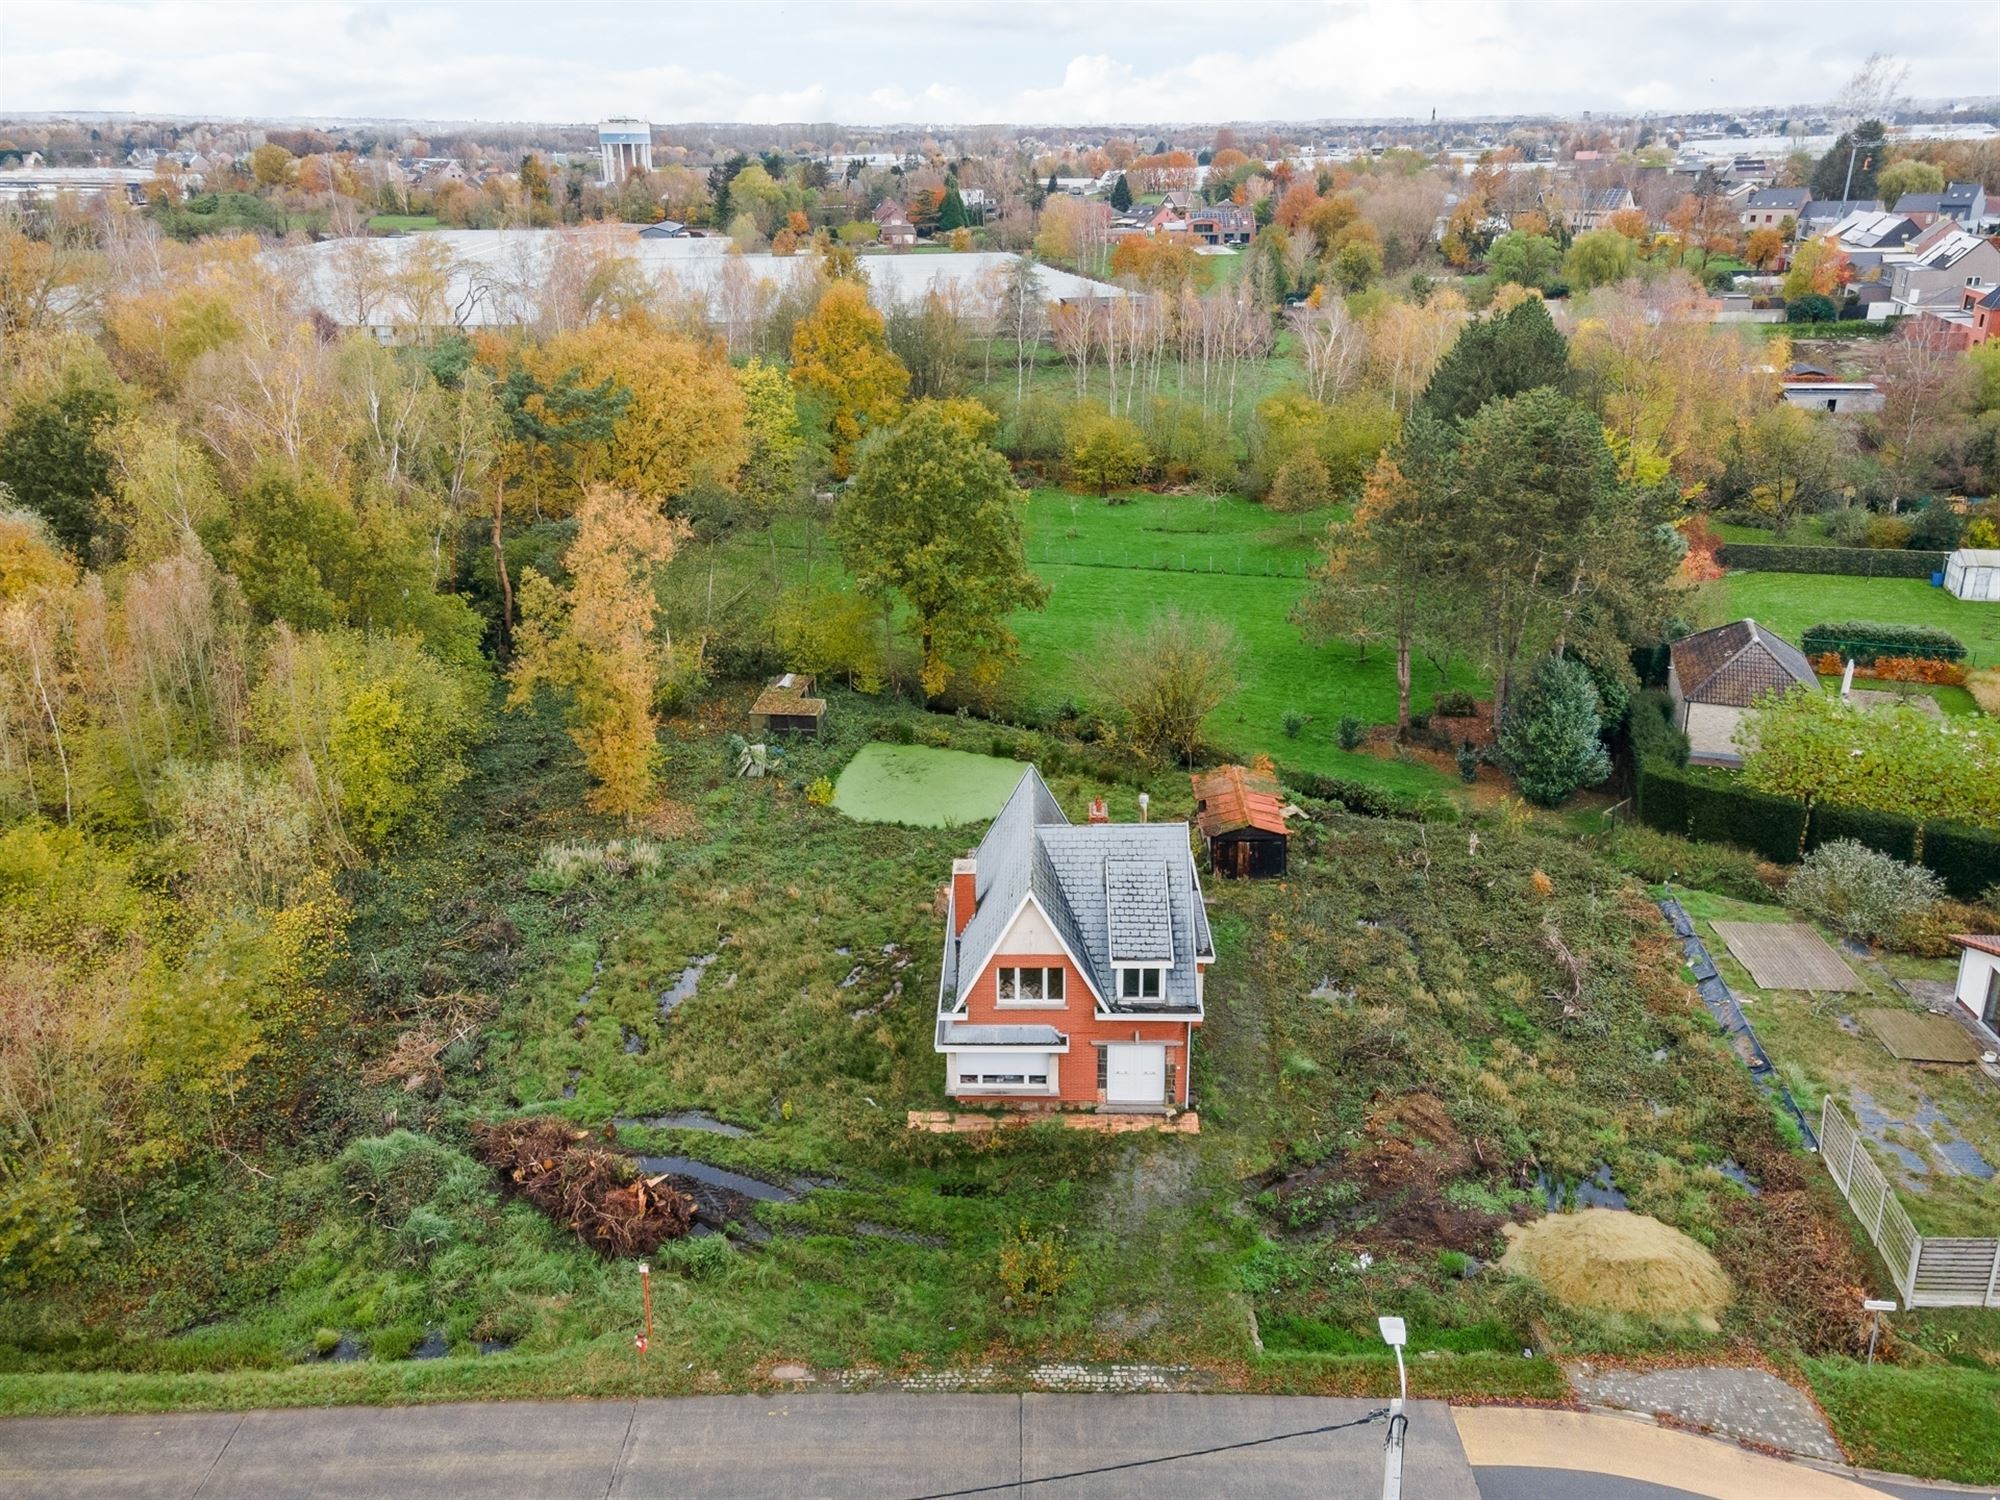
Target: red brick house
{"x":1074,"y":961}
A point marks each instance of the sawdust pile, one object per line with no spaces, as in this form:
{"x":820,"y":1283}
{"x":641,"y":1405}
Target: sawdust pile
{"x":1611,"y":1261}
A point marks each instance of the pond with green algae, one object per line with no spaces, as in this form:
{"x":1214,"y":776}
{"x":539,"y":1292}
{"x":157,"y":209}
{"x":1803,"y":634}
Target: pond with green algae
{"x":924,"y":787}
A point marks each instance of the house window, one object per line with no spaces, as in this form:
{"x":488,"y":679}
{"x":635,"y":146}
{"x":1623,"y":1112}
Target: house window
{"x":1030,"y":987}
{"x":1139,"y":984}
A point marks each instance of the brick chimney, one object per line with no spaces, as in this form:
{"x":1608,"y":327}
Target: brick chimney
{"x":964,"y":894}
{"x":1099,"y":813}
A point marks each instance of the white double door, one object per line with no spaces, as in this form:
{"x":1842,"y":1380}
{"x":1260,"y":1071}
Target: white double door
{"x":1135,"y":1073}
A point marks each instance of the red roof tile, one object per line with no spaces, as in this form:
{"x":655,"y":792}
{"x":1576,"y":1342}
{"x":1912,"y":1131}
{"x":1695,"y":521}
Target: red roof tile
{"x":1980,"y":944}
{"x":1232,"y":798}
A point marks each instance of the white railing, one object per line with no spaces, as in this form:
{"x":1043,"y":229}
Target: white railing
{"x":1928,"y":1272}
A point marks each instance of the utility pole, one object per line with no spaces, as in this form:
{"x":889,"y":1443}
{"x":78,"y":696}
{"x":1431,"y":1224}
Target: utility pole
{"x":1395,"y":1334}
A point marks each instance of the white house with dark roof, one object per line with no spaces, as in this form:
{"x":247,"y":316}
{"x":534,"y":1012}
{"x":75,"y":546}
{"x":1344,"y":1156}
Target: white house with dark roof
{"x":1075,"y":960}
{"x":1715,"y":677}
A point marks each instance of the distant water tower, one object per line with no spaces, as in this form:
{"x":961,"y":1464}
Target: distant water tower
{"x":622,"y":146}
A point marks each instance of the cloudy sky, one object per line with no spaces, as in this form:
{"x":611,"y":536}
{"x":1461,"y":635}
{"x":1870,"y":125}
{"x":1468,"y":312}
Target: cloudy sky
{"x":955,"y":61}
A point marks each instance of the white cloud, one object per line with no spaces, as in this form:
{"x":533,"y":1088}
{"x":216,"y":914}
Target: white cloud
{"x":1051,"y":61}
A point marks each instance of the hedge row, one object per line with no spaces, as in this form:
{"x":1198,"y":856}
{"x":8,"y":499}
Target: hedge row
{"x":1865,"y":562}
{"x":1714,"y":805}
{"x":1867,"y":640}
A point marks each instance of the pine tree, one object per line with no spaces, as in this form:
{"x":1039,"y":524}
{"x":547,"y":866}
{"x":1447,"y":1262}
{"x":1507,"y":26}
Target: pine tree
{"x":1121,"y":195}
{"x":1549,"y":738}
{"x":951,"y":212}
{"x":1498,"y":357}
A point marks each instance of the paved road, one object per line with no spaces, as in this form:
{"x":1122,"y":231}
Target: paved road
{"x":880,"y":1447}
{"x":1040,"y":1447}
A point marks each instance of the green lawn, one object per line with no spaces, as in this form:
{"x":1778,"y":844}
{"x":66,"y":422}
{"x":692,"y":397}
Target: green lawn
{"x":1939,"y":1421}
{"x":1051,"y":374}
{"x":1954,"y":700}
{"x":1224,"y":556}
{"x":1790,"y":602}
{"x":405,"y":223}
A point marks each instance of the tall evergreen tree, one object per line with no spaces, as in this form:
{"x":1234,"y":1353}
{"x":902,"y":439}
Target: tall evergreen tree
{"x":951,"y":212}
{"x":1497,"y":357}
{"x":1121,"y":194}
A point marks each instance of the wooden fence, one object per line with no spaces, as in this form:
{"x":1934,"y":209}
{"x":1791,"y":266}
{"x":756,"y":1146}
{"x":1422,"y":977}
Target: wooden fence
{"x":1928,"y":1272}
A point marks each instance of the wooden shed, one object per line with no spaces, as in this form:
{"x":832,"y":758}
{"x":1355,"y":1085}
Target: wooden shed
{"x":787,"y":706}
{"x":1240,"y":815}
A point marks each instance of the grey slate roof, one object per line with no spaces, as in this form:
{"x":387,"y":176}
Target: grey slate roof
{"x":958,"y":1034}
{"x":1138,"y":912}
{"x":1779,"y":198}
{"x":1137,"y":879}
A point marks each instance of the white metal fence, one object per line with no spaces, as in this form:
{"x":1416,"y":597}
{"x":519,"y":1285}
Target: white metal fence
{"x":1928,"y":1272}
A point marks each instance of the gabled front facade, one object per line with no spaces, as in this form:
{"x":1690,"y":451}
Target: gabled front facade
{"x":1715,"y":678}
{"x":1075,"y":961}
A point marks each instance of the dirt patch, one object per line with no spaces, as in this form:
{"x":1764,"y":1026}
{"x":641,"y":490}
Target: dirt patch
{"x":1622,"y":1263}
{"x":1389,"y":1192}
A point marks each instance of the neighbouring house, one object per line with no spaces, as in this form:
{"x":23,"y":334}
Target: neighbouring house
{"x":1962,"y":202}
{"x":1941,"y":265}
{"x":1075,"y":959}
{"x":666,"y":229}
{"x":1771,"y":207}
{"x":1973,"y":573}
{"x":1982,"y":310}
{"x":1241,"y":815}
{"x":1824,"y":214}
{"x":787,"y":706}
{"x":1224,"y":224}
{"x":893,"y":226}
{"x":1715,"y":677}
{"x":1978,"y":988}
{"x":1597,"y":206}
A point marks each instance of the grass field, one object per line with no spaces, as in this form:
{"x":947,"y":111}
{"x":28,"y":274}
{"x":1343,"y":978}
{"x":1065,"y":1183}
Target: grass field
{"x":1050,"y":373}
{"x":402,"y":223}
{"x":923,"y":787}
{"x":1790,"y":602}
{"x":1222,"y":556}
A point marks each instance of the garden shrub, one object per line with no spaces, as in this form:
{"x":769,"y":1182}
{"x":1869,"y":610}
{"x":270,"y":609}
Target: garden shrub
{"x":1860,"y":892}
{"x":1468,"y":758}
{"x":1864,"y":641}
{"x":1550,"y":737}
{"x":1889,"y":532}
{"x":1860,"y":562}
{"x":1104,"y":452}
{"x":1294,"y":721}
{"x":1926,"y":669}
{"x":1036,"y":1267}
{"x":1928,"y":933}
{"x":1349,"y":731}
{"x":1455,"y":704}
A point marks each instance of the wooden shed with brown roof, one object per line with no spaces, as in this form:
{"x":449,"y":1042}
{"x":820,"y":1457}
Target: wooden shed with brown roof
{"x":787,"y":706}
{"x":1240,"y":813}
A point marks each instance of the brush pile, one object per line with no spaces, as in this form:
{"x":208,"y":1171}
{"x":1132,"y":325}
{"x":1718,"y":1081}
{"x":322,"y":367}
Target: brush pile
{"x":596,"y":1192}
{"x":1618,"y":1262}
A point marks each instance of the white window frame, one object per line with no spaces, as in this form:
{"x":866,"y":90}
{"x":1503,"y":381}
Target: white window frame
{"x":1156,"y":973}
{"x":1044,"y":1001}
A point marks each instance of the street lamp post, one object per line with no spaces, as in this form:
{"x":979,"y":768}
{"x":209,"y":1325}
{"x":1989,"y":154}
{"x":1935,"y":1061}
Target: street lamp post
{"x":1395,"y":1334}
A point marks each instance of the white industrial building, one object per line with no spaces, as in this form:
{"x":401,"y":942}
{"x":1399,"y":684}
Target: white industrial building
{"x":499,"y":277}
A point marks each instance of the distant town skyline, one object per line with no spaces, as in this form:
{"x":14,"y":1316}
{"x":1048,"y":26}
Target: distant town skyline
{"x":1028,"y":62}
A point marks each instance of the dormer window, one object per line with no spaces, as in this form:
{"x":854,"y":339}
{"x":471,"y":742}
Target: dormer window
{"x":1138,"y":983}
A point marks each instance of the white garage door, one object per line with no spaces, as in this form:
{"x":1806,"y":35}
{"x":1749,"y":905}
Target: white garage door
{"x":1135,"y":1073}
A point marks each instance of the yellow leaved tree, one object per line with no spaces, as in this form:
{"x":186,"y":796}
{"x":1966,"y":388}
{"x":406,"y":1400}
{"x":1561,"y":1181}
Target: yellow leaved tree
{"x":841,"y":355}
{"x":597,"y":641}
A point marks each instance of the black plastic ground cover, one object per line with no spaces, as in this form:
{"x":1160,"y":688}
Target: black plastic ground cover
{"x":1729,"y":1015}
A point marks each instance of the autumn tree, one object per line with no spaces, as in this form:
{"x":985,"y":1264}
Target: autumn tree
{"x":840,"y":355}
{"x":1900,"y":179}
{"x":1787,"y":461}
{"x":1598,"y":257}
{"x":933,"y":520}
{"x":595,"y":642}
